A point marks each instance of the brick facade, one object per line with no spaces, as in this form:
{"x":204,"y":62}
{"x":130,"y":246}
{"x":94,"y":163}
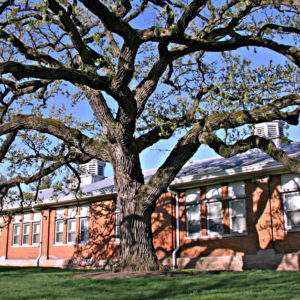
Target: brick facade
{"x":265,"y":244}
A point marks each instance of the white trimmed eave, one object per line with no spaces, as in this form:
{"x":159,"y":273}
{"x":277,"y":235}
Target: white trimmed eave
{"x":229,"y":175}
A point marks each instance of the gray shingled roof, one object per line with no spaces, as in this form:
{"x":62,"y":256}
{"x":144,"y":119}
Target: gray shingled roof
{"x":217,"y":165}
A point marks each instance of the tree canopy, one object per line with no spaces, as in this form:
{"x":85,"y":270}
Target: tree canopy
{"x":147,"y":71}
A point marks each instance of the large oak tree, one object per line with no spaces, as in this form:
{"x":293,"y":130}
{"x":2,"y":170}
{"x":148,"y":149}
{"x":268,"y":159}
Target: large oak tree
{"x":149,"y":70}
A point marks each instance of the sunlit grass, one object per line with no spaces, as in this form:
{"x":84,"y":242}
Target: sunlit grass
{"x":43,"y":283}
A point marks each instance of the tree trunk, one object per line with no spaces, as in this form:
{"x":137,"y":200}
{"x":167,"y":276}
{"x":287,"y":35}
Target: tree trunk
{"x":136,"y":245}
{"x":137,"y":250}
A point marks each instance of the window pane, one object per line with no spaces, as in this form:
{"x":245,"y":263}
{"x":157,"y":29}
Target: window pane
{"x":16,"y":234}
{"x":85,"y":210}
{"x":215,"y":217}
{"x":71,"y":231}
{"x":292,"y":201}
{"x":59,"y":231}
{"x":237,"y":208}
{"x":214,"y":210}
{"x":215,"y":225}
{"x":84,"y":230}
{"x":72,"y":211}
{"x":35,"y":233}
{"x":238,"y":224}
{"x":293,"y":218}
{"x":60,"y":213}
{"x":193,"y":219}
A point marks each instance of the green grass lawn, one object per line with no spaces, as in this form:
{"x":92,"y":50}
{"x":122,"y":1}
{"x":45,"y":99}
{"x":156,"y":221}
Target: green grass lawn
{"x":43,"y":283}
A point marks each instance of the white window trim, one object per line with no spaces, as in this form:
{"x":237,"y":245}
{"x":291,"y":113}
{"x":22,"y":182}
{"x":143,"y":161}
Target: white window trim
{"x":213,"y":233}
{"x":71,"y":242}
{"x":187,"y":223}
{"x":230,"y":217}
{"x":13,"y":239}
{"x":80,"y":241}
{"x":117,"y":212}
{"x":27,"y":224}
{"x":32,"y":234}
{"x":56,"y":242}
{"x":286,"y":227}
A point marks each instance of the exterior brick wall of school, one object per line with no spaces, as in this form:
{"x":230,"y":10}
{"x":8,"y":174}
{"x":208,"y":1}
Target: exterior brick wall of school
{"x":265,"y":245}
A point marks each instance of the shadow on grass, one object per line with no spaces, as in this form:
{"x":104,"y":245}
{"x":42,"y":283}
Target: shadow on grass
{"x":47,"y":283}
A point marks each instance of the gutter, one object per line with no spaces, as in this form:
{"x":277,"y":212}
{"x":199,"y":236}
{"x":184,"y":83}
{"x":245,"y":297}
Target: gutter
{"x":174,"y":253}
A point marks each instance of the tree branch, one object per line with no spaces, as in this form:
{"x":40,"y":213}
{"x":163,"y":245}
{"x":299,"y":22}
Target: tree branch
{"x":251,"y":142}
{"x":58,"y":129}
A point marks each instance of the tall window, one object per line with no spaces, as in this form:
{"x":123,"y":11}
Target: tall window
{"x":84,"y":230}
{"x":35,"y":233}
{"x":71,"y":230}
{"x":59,"y":225}
{"x":214,"y":217}
{"x":59,"y":229}
{"x":193,"y":219}
{"x":25,"y":236}
{"x":117,"y":224}
{"x":16,"y":234}
{"x":237,"y":216}
{"x":84,"y":224}
{"x":291,"y":205}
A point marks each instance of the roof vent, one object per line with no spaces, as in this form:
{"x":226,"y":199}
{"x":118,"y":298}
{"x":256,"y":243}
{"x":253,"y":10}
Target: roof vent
{"x":92,"y":171}
{"x":270,"y":130}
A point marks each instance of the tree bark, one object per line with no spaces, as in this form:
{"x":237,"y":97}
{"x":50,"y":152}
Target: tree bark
{"x":136,"y":245}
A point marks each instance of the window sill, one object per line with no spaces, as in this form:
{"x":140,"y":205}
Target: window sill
{"x":214,"y":236}
{"x":25,"y":246}
{"x":297,"y":229}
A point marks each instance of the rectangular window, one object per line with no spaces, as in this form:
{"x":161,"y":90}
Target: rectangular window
{"x":25,"y":237}
{"x":16,"y":234}
{"x":71,"y":230}
{"x":237,"y":212}
{"x":59,"y":228}
{"x":117,"y":225}
{"x":35,"y":233}
{"x":214,"y":217}
{"x":291,"y":205}
{"x":84,"y":230}
{"x":193,"y":219}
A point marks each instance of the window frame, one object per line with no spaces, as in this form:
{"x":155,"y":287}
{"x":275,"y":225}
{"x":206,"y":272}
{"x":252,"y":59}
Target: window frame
{"x":288,"y":228}
{"x":214,"y":233}
{"x":34,"y":234}
{"x":214,"y":194}
{"x":231,"y":217}
{"x":25,"y":235}
{"x":59,"y":232}
{"x":16,"y":235}
{"x":195,"y":234}
{"x":81,"y":241}
{"x":73,"y":232}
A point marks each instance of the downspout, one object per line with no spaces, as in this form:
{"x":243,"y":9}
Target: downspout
{"x":37,"y":261}
{"x":174,"y":253}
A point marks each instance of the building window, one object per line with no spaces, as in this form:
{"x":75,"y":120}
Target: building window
{"x":16,"y":234}
{"x":84,"y":234}
{"x":193,"y":219}
{"x":207,"y":210}
{"x":291,"y":205}
{"x":117,"y":225}
{"x":214,"y":218}
{"x":84,"y":230}
{"x":25,"y":236}
{"x":35,"y":233}
{"x":71,"y":230}
{"x":59,"y":228}
{"x":237,"y":216}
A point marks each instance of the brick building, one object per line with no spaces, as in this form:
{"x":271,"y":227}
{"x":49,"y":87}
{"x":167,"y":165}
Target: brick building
{"x":219,"y":214}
